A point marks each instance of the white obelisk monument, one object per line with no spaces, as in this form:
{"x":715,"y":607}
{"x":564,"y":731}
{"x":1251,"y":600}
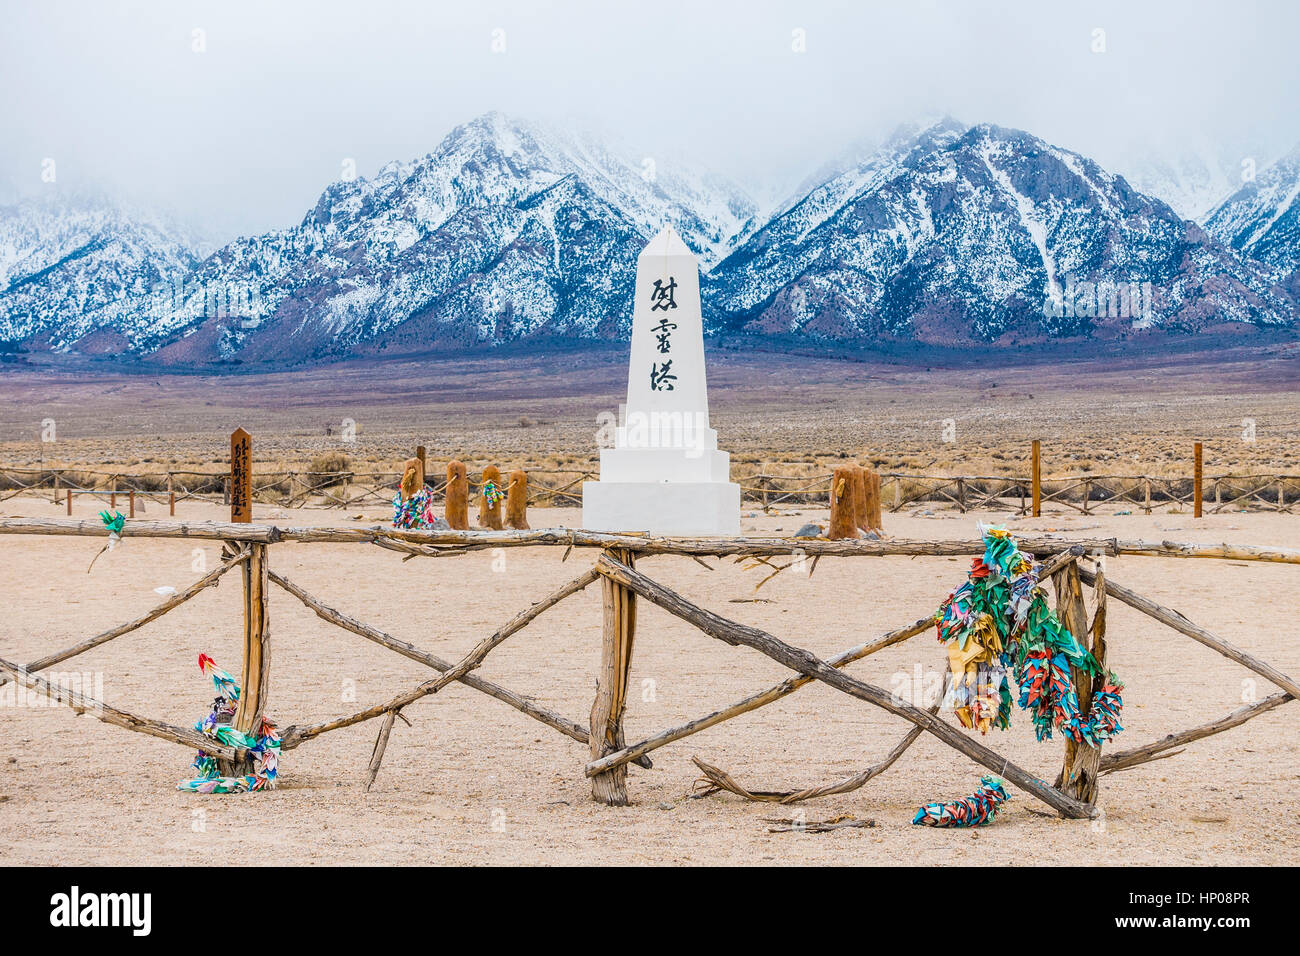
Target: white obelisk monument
{"x":665,"y":474}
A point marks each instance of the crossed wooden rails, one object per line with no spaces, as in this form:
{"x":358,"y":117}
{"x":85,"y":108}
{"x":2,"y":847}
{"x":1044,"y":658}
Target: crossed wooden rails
{"x":247,"y":547}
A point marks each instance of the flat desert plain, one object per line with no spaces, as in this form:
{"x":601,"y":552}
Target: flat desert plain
{"x":475,"y":781}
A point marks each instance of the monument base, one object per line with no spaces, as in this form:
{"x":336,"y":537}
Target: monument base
{"x":662,"y":507}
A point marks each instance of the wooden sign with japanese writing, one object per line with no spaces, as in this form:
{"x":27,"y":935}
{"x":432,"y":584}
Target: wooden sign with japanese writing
{"x":241,"y":476}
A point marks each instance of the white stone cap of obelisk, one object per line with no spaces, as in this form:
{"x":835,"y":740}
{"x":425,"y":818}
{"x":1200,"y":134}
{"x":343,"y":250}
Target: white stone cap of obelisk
{"x":666,"y":388}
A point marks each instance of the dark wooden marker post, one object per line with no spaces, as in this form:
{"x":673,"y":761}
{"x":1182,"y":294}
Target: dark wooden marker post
{"x":257,"y":635}
{"x":1196,"y":482}
{"x":424,"y":470}
{"x":1036,"y":478}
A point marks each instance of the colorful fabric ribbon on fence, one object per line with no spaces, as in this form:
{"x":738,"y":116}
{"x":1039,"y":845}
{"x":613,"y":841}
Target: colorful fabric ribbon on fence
{"x":415,"y":513}
{"x":113,"y":524}
{"x":977,"y":810}
{"x":492,"y":493}
{"x":997,"y":622}
{"x":263,"y":746}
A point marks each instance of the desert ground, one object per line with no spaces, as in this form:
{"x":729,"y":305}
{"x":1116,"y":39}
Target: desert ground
{"x":475,"y":781}
{"x":1117,"y":413}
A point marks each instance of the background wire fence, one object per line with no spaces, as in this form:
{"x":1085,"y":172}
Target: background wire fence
{"x":549,"y":487}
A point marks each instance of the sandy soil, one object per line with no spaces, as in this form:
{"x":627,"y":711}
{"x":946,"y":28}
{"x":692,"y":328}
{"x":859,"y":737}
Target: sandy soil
{"x":474,"y":781}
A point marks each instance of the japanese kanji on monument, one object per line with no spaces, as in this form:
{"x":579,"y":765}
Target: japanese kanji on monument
{"x":665,"y":474}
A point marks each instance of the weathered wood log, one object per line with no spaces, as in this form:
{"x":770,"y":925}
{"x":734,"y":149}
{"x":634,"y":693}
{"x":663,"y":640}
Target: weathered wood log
{"x":296,"y":735}
{"x":207,"y":581}
{"x":517,"y":500}
{"x":843,"y":523}
{"x":755,"y":701}
{"x":1179,"y":623}
{"x":255,"y":683}
{"x":1078,"y":776}
{"x":800,"y":660}
{"x":791,"y":684}
{"x":381,"y":744}
{"x":875,"y":520}
{"x":721,"y":780}
{"x":120,"y":718}
{"x":640,"y":544}
{"x":456,"y":503}
{"x":618,"y":631}
{"x":524,"y":705}
{"x":1136,"y":756}
{"x":489,"y":511}
{"x":861,"y":510}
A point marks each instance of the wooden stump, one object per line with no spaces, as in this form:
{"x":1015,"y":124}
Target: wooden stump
{"x":256,"y":678}
{"x":843,"y":524}
{"x":1078,"y":777}
{"x":617,"y":634}
{"x":457,"y":504}
{"x":517,"y":500}
{"x":489,"y":513}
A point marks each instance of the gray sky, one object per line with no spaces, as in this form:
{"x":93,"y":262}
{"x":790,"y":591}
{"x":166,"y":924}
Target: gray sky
{"x":243,"y":136}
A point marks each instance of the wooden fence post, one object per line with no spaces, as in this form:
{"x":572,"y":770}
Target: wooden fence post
{"x":517,"y":500}
{"x":130,"y":503}
{"x":241,"y":477}
{"x":1196,"y":482}
{"x":1078,"y":777}
{"x":1146,"y":485}
{"x":1087,"y":494}
{"x":255,"y":682}
{"x":617,"y":634}
{"x":56,"y":487}
{"x":69,"y":502}
{"x":256,"y":663}
{"x":842,"y":524}
{"x":861,"y":507}
{"x":424,"y":465}
{"x":456,"y":501}
{"x":489,"y":513}
{"x":1036,"y":478}
{"x":875,"y":520}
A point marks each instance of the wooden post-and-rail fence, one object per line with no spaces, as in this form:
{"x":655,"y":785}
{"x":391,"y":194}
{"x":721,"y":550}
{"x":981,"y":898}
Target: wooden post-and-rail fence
{"x":563,"y":487}
{"x":248,"y":545}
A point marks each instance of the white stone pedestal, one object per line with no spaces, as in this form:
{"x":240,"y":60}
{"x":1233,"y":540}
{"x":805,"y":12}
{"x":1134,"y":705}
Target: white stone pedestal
{"x":665,"y":474}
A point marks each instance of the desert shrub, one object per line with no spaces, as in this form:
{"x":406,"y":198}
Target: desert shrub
{"x":329,"y":462}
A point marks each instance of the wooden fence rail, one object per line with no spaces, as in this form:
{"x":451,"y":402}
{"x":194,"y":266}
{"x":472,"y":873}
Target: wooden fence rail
{"x":248,"y":546}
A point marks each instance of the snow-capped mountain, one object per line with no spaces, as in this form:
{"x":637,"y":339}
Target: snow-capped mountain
{"x":508,"y":231}
{"x":72,"y":268}
{"x":505,"y":231}
{"x":1262,"y":219}
{"x":983,"y":235}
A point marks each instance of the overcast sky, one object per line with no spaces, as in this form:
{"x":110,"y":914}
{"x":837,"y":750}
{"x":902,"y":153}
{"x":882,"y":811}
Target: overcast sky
{"x":240,"y":125}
